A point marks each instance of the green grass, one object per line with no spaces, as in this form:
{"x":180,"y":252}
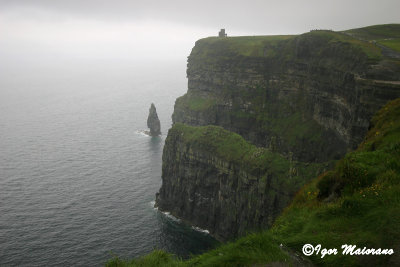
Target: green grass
{"x":277,"y":118}
{"x":248,"y":251}
{"x":372,"y":51}
{"x":364,"y":209}
{"x":357,"y":202}
{"x":292,"y":128}
{"x":195,"y":103}
{"x":281,"y":47}
{"x":376,"y":32}
{"x":153,"y":259}
{"x":234,"y":148}
{"x":256,"y":46}
{"x":251,"y":250}
{"x":214,"y":48}
{"x":391,"y":43}
{"x":386,"y":34}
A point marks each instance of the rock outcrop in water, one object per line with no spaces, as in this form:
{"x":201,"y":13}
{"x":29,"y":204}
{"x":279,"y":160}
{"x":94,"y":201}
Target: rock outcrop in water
{"x":153,"y":122}
{"x":298,"y":103}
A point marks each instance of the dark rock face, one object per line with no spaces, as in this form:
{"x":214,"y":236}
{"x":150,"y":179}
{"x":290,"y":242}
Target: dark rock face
{"x":308,"y":98}
{"x":313,"y":97}
{"x":153,"y":122}
{"x":227,"y":198}
{"x":214,"y":194}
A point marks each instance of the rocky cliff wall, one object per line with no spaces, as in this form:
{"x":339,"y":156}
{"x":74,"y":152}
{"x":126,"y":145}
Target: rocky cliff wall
{"x":285,"y":106}
{"x":214,"y":179}
{"x":312,"y":95}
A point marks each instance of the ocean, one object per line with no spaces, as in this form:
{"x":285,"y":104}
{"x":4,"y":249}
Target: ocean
{"x":78,"y":177}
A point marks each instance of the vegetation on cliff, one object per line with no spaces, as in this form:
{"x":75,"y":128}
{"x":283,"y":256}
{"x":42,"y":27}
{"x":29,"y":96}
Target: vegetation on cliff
{"x":387,"y":35}
{"x":233,"y":148}
{"x":216,"y":180}
{"x":358,"y":203}
{"x":260,"y":117}
{"x":271,"y":46}
{"x":282,"y":46}
{"x":311,"y":94}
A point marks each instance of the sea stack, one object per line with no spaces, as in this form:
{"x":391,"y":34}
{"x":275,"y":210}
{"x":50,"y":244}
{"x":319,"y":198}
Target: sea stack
{"x":153,"y":122}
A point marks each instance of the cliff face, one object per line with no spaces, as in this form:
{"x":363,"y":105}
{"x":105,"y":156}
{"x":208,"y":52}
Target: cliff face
{"x":216,"y":180}
{"x":300,"y":101}
{"x":312,"y":95}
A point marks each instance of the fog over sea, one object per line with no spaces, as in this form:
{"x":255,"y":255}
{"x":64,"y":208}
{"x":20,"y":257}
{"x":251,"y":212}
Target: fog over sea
{"x":77,"y":176}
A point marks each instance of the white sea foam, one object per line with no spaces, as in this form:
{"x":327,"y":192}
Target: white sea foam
{"x":198,"y":229}
{"x":166,"y":213}
{"x":171,"y":217}
{"x":143,"y":133}
{"x":152,"y":203}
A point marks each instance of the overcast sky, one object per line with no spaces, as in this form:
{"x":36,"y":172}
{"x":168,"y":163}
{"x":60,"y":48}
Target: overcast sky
{"x":140,"y":30}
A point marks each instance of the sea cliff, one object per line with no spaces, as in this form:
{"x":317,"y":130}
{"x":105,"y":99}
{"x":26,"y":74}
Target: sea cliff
{"x":238,"y":149}
{"x":216,"y":180}
{"x":283,"y":109}
{"x":312,"y":95}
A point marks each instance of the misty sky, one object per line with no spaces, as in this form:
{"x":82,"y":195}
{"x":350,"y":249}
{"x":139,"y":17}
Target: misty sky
{"x":165,"y":30}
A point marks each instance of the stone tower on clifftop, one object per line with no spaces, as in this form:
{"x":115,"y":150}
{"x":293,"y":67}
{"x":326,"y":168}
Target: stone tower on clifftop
{"x":222,"y":33}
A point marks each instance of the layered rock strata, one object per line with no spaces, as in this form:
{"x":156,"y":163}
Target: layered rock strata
{"x":298,"y":102}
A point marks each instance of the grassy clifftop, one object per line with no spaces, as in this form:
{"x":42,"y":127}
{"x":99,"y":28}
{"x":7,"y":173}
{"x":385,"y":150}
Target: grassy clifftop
{"x":377,"y":31}
{"x":387,"y":35}
{"x":357,"y":203}
{"x":270,"y":46}
{"x":234,"y":148}
{"x":242,"y":45}
{"x":282,"y":46}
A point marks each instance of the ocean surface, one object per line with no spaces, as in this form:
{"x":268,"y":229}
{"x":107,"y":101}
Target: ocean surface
{"x":78,"y":177}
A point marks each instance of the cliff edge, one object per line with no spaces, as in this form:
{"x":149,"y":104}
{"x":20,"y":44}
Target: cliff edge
{"x":290,"y":106}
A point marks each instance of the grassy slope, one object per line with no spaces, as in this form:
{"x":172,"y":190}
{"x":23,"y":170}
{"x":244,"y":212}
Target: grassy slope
{"x":267,"y":46}
{"x":252,"y":249}
{"x":368,"y":211}
{"x":241,"y":45}
{"x":372,"y":51}
{"x":365,"y":211}
{"x":393,"y":44}
{"x":232,"y":147}
{"x":377,"y":32}
{"x":213,"y":49}
{"x":387,"y":35}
